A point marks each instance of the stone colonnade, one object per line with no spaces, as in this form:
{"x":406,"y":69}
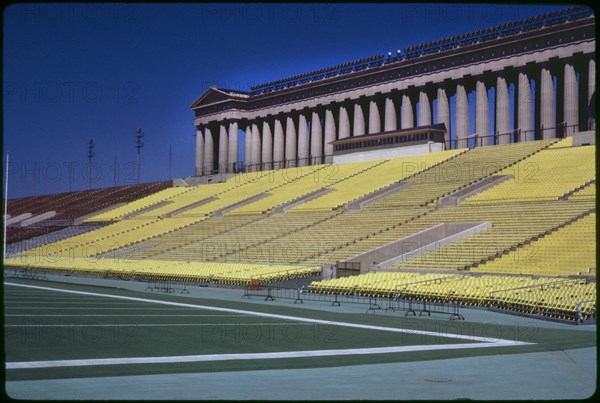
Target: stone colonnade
{"x":563,"y":103}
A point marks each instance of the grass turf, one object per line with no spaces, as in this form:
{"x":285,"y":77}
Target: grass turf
{"x":84,"y":336}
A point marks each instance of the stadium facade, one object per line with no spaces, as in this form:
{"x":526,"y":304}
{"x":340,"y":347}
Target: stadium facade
{"x":297,"y":121}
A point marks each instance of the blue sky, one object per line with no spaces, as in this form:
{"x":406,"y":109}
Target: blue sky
{"x":72,"y":72}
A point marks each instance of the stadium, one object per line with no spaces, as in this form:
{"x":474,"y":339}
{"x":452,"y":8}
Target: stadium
{"x":370,"y":244}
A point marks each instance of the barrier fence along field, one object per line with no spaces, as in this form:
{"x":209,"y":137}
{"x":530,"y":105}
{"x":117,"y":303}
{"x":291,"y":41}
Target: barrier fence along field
{"x":393,"y":304}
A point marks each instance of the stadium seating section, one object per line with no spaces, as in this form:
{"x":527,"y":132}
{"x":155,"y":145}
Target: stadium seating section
{"x":546,"y":296}
{"x":220,"y":273}
{"x":72,"y":205}
{"x":536,"y":256}
{"x":545,"y":176}
{"x":569,"y":248}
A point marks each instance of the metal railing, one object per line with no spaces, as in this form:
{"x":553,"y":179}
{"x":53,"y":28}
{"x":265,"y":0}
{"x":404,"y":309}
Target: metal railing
{"x":516,"y":305}
{"x":26,"y":273}
{"x":474,"y":140}
{"x":393,"y":303}
{"x":243,"y":167}
{"x":167,"y":286}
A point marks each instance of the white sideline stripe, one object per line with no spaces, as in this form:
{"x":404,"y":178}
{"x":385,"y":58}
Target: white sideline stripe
{"x":33,"y":303}
{"x":50,"y":298}
{"x":277,"y":316}
{"x":21,"y":292}
{"x":247,"y":356}
{"x":62,"y":308}
{"x":163,"y":324}
{"x":115,"y":315}
{"x":47,"y":296}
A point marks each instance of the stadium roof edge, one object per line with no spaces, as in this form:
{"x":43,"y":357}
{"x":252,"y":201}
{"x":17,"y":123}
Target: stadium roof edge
{"x":218,"y":94}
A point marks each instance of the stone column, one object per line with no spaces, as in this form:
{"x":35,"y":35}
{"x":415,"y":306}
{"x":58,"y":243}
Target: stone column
{"x":443,"y":113}
{"x":316,"y":139}
{"x":502,"y":110}
{"x":290,"y":142}
{"x":344,"y":123}
{"x":329,"y":135}
{"x":278,"y":144}
{"x":524,"y":121}
{"x":391,"y":119}
{"x":407,"y":119}
{"x":571,"y":111}
{"x":267,"y":147}
{"x":233,"y":148}
{"x":223,"y":148}
{"x":359,"y":120}
{"x":374,"y":117}
{"x":591,"y":91}
{"x":256,"y":148}
{"x":482,"y":114}
{"x":209,"y":158}
{"x":199,"y":152}
{"x":558,"y":75}
{"x":302,"y":140}
{"x":547,"y":116}
{"x":248,"y":148}
{"x":424,"y":109}
{"x":462,"y":117}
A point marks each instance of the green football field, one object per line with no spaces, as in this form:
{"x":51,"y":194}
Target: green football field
{"x":60,"y":331}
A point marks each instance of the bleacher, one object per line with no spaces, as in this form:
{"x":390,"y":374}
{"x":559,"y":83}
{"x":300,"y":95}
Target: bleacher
{"x":94,"y":242}
{"x":565,"y":252}
{"x":513,"y":225}
{"x":524,"y":294}
{"x":586,"y":193}
{"x":545,"y":176}
{"x":236,"y":189}
{"x":197,"y":272}
{"x":375,"y":178}
{"x":238,"y":230}
{"x":138,"y":205}
{"x":244,"y":242}
{"x":72,"y":205}
{"x":346,"y":182}
{"x":53,"y":235}
{"x":459,"y":172}
{"x":320,"y":177}
{"x":77,"y":204}
{"x":315,"y":243}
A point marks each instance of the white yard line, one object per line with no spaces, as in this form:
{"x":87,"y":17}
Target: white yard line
{"x":248,"y":356}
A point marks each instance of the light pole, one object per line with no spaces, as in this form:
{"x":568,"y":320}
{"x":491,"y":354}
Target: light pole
{"x":5,"y":208}
{"x":91,"y":154}
{"x":139,"y":145}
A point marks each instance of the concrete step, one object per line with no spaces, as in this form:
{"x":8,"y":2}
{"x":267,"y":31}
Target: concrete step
{"x":241,"y":203}
{"x":190,"y":206}
{"x":149,"y":208}
{"x":471,"y":190}
{"x":577,"y":189}
{"x":417,"y":244}
{"x":38,"y":218}
{"x":376,"y":195}
{"x":302,"y":199}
